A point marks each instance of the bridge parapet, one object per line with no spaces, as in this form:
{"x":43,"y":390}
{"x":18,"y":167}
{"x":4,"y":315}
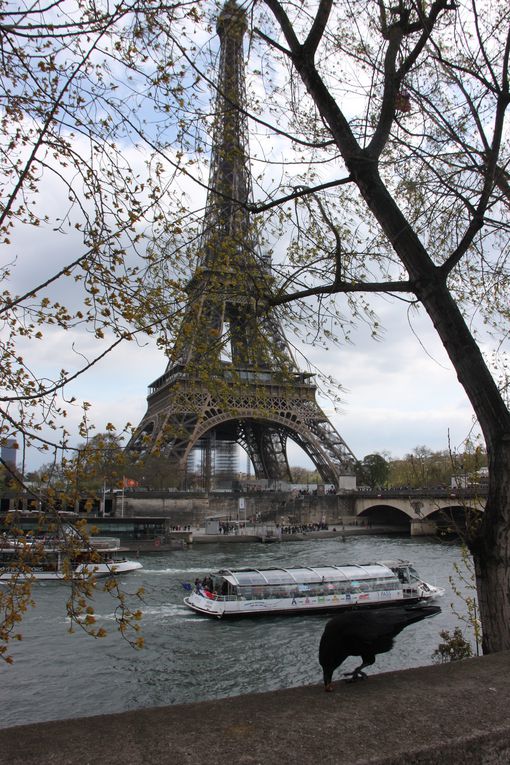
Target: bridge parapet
{"x":478,"y":492}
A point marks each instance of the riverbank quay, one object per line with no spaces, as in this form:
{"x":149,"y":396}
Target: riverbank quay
{"x":200,"y":537}
{"x":178,"y":539}
{"x":450,"y":714}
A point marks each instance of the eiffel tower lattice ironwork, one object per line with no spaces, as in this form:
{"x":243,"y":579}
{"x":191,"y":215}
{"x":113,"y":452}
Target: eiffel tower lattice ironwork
{"x":231,"y":377}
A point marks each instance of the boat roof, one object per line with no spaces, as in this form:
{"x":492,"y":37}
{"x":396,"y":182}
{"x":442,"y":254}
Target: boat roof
{"x":254,"y":576}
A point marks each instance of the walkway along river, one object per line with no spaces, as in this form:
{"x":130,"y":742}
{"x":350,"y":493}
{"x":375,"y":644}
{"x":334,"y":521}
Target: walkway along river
{"x":191,"y":658}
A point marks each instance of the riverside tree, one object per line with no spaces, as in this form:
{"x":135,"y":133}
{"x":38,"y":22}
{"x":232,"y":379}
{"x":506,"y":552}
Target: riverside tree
{"x":373,"y":471}
{"x":84,"y":98}
{"x":87,"y":114}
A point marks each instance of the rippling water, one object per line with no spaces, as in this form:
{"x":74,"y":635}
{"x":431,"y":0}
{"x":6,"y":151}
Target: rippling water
{"x":189,"y":657}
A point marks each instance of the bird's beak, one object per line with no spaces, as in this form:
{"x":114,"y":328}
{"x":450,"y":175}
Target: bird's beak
{"x":328,"y":687}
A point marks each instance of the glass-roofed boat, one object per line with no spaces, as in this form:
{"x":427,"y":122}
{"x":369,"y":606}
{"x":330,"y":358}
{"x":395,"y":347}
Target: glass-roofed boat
{"x":297,"y":590}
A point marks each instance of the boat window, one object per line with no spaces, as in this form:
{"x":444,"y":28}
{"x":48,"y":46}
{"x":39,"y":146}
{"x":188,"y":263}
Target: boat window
{"x":361,"y":572}
{"x":276,"y":576}
{"x":317,"y":588}
{"x":306,"y":574}
{"x":375,"y":569}
{"x":329,"y":572}
{"x":403,"y":574}
{"x":249,"y":577}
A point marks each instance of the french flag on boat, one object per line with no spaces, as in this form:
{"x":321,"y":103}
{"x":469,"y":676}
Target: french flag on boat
{"x":187,"y":586}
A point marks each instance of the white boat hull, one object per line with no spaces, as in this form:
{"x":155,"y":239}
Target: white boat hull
{"x":298,"y":605}
{"x":107,"y":569}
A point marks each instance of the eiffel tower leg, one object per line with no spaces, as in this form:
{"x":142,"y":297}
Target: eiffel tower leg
{"x":266,"y":447}
{"x":208,"y":460}
{"x":275,"y":454}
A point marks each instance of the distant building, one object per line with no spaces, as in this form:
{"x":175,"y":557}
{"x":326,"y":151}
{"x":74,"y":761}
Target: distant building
{"x":8,"y":452}
{"x":464,"y":481}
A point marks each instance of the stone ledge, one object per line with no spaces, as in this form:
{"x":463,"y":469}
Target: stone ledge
{"x":449,"y":714}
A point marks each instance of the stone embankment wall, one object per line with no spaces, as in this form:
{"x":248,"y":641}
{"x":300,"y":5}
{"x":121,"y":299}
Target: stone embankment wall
{"x":193,"y":509}
{"x":453,"y":714}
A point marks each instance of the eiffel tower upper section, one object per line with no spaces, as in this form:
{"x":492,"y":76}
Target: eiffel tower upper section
{"x":231,"y":375}
{"x":229,"y":289}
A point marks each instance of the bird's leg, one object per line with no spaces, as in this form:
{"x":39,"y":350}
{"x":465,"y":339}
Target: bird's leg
{"x":358,"y":673}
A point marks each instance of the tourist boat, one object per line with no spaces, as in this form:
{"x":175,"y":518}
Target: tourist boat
{"x":248,"y":592}
{"x":48,"y":560}
{"x":412,"y":583}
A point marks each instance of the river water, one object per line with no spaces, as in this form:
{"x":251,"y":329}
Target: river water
{"x":188,"y":657}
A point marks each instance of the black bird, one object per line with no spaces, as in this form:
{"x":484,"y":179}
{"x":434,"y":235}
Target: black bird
{"x":365,"y":633}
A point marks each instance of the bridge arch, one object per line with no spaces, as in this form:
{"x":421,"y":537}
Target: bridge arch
{"x":386,"y":515}
{"x":454,"y":519}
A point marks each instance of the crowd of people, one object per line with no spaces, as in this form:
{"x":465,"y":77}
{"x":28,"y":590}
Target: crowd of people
{"x":314,"y":492}
{"x":230,"y":528}
{"x":304,"y":528}
{"x":206,"y":588}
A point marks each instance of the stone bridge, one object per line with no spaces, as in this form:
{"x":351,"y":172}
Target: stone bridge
{"x":405,"y":510}
{"x":424,"y":511}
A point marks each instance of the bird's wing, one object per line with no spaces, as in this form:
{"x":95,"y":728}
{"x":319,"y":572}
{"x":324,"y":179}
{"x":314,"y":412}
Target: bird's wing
{"x":390,"y":622}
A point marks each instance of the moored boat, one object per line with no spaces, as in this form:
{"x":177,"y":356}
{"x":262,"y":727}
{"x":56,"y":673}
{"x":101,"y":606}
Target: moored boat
{"x":53,"y":560}
{"x":247,"y":592}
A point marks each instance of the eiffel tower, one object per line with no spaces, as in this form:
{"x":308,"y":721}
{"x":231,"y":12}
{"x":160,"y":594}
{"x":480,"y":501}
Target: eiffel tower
{"x":231,"y":377}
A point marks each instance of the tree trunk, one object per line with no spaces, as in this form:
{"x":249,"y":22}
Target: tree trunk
{"x":491,"y":553}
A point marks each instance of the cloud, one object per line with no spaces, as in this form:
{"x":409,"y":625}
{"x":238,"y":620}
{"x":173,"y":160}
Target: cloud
{"x":399,"y":392}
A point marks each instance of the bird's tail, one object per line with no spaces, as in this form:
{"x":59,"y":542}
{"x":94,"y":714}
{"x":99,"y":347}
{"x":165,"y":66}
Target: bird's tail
{"x":417,"y":612}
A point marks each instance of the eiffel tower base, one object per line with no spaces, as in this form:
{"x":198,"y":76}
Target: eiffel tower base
{"x":261,"y":418}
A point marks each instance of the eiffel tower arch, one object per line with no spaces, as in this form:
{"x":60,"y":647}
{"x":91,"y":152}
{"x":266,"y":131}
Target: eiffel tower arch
{"x":231,"y":377}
